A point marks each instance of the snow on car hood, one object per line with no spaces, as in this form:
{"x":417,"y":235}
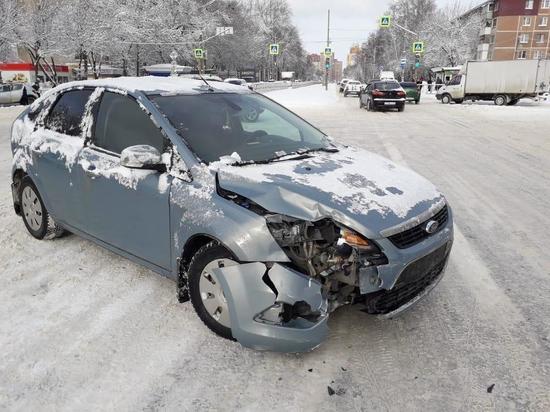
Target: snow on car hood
{"x":354,"y":187}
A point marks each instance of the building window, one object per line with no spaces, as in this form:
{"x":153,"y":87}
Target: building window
{"x":543,"y":21}
{"x":524,"y":38}
{"x":529,"y":4}
{"x":496,"y":5}
{"x":522,"y":54}
{"x":540,"y":37}
{"x":527,"y":21}
{"x":545,"y":4}
{"x":538,"y":54}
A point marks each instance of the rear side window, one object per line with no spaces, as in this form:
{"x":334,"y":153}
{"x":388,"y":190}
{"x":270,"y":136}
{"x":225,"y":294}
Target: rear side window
{"x":122,"y":123}
{"x":66,"y":116}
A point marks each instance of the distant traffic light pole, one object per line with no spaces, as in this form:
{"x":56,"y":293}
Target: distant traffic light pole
{"x":328,"y":45}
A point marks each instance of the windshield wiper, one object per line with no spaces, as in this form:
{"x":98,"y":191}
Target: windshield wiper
{"x":296,"y":155}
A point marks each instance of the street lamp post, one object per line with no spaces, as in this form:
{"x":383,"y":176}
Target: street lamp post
{"x":173,"y":56}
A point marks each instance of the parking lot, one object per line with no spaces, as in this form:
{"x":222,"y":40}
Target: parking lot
{"x":83,"y":329}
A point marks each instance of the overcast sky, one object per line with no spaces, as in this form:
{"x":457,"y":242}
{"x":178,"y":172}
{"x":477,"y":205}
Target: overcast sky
{"x":350,"y":20}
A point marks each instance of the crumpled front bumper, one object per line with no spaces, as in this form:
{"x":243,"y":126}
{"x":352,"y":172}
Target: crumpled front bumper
{"x":249,"y":296}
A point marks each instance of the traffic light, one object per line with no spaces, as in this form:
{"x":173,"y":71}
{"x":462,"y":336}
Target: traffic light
{"x":417,"y":60}
{"x":327,"y":62}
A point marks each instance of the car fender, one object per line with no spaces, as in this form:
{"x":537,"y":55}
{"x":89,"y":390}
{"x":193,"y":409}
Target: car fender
{"x":196,"y":209}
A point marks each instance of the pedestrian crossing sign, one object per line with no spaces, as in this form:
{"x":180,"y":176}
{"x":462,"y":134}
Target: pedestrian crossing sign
{"x":199,"y":53}
{"x":328,"y":51}
{"x":385,"y":21}
{"x":418,"y":47}
{"x":274,"y":49}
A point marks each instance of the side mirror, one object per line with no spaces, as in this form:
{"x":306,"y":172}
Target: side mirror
{"x":141,"y":157}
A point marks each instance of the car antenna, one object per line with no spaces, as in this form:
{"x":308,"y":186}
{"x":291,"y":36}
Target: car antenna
{"x":204,"y":80}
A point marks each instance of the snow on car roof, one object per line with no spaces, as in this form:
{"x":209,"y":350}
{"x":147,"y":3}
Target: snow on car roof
{"x":155,"y":84}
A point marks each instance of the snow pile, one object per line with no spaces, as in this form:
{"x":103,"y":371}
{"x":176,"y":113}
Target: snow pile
{"x":315,"y":95}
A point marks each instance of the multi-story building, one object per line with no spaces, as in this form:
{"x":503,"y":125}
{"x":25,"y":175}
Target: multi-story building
{"x":352,"y":55}
{"x":513,"y":29}
{"x":335,"y":70}
{"x":335,"y":75}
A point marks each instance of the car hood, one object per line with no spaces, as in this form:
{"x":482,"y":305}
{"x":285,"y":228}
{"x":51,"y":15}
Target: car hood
{"x":355,"y":187}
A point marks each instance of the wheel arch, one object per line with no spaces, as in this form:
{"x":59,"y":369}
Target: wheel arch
{"x":17,"y":177}
{"x":193,"y":244}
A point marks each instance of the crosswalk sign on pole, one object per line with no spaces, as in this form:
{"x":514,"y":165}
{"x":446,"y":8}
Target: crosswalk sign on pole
{"x":274,"y":49}
{"x":199,"y":53}
{"x":328,"y":51}
{"x":385,"y":21}
{"x":418,"y":47}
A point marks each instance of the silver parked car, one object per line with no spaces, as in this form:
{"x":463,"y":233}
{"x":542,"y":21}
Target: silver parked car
{"x":12,"y":93}
{"x":266,"y":226}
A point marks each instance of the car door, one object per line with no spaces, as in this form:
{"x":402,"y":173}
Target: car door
{"x":54,"y":147}
{"x":16,"y":93}
{"x":5,"y":94}
{"x":126,"y":208}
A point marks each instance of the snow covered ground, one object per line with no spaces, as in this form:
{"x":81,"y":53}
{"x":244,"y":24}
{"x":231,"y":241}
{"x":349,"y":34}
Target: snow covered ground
{"x":83,"y":329}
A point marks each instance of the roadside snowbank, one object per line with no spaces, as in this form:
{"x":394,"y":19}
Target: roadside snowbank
{"x":315,"y":95}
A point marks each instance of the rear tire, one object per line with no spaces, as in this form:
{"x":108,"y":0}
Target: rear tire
{"x":401,"y":108}
{"x":513,"y":102}
{"x":205,"y":290}
{"x":500,"y":100}
{"x":37,"y":220}
{"x":416,"y":101}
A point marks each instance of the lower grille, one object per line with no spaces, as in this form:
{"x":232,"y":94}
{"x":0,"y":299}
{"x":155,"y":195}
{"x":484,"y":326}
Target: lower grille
{"x":413,"y":280}
{"x":418,"y":233}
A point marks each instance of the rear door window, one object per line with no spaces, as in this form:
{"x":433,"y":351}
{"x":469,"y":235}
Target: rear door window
{"x":66,"y":115}
{"x":122,"y":123}
{"x":386,"y":85}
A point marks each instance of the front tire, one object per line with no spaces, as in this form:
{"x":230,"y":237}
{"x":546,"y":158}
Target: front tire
{"x":205,"y":290}
{"x":37,"y":220}
{"x":446,"y":99}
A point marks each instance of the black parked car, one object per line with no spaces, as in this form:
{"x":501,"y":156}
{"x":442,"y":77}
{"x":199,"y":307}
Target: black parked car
{"x":383,"y":94}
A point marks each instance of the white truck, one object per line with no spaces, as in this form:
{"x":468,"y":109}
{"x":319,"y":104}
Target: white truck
{"x":504,"y":82}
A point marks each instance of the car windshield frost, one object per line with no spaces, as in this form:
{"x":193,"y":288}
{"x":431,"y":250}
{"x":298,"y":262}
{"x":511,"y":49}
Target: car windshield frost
{"x":386,"y":85}
{"x":218,"y":124}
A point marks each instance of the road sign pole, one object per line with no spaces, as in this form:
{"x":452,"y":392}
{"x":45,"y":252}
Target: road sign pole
{"x":328,"y":45}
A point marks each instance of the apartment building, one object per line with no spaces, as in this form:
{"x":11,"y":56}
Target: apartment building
{"x":336,"y":67}
{"x":513,"y":29}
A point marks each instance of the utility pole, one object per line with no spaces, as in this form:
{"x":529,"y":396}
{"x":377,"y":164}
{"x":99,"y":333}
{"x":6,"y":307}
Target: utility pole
{"x":328,"y":45}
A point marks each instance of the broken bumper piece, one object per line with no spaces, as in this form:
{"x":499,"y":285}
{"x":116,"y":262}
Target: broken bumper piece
{"x":275,"y":309}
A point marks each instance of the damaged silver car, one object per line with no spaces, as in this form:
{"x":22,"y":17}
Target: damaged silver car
{"x":267,"y":226}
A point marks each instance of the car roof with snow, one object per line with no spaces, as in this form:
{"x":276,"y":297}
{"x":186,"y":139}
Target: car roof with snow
{"x":157,"y":85}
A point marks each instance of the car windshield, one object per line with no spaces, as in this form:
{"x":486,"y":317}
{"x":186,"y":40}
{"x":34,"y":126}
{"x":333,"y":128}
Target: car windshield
{"x":408,"y":85}
{"x":353,"y":82}
{"x":386,"y":85}
{"x":218,"y":124}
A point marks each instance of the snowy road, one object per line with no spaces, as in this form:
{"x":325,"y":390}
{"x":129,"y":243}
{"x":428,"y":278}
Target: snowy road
{"x":83,"y":329}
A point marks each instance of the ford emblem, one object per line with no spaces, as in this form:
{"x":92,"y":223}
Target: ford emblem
{"x":431,"y":226}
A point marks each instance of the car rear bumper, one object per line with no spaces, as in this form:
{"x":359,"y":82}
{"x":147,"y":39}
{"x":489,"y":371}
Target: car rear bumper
{"x":388,"y":102}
